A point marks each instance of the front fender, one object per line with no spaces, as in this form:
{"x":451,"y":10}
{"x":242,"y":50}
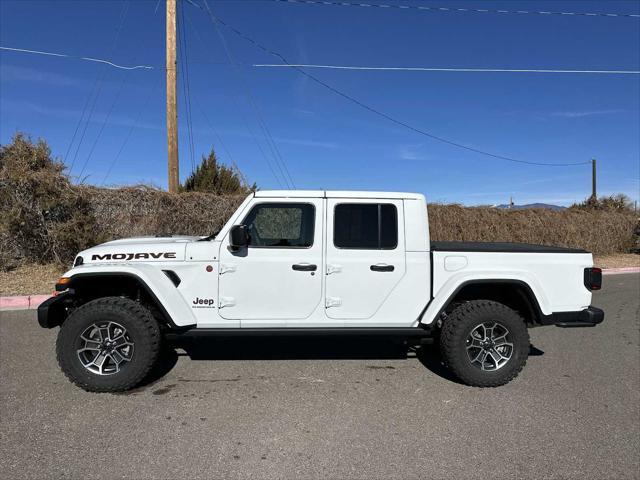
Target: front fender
{"x":151,"y":277}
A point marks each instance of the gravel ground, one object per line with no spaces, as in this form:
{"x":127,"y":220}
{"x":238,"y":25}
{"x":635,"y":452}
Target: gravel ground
{"x":333,"y":409}
{"x":30,"y":280}
{"x":619,"y":260}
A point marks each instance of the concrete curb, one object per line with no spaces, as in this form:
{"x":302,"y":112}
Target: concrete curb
{"x":23,"y":302}
{"x":28,"y":302}
{"x":615,"y":271}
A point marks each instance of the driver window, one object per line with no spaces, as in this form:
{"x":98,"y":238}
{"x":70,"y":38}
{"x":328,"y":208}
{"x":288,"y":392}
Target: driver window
{"x":281,"y":225}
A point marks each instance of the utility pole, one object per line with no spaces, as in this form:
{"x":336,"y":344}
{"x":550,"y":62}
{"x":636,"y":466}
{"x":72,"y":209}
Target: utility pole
{"x":593,"y":179}
{"x":172,"y":107}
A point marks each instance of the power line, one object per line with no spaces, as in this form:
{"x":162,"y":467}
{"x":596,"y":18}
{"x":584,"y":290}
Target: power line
{"x":384,"y":115}
{"x":335,"y":67}
{"x":104,"y":124}
{"x":134,"y":125}
{"x":451,"y":9}
{"x":239,"y":109}
{"x":279,"y":160}
{"x":201,"y":110}
{"x":224,"y":146}
{"x":76,"y":57}
{"x":97,"y":88}
{"x":431,"y":69}
{"x":186,"y":86}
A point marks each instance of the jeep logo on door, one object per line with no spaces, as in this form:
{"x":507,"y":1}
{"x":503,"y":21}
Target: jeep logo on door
{"x":203,"y":303}
{"x":133,"y":256}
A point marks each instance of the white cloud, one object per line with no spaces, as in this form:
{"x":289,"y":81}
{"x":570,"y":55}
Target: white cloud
{"x":97,"y":117}
{"x":13,"y":73}
{"x":411,"y":151}
{"x":584,"y":113}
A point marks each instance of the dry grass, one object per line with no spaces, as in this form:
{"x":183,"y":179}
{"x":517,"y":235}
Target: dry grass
{"x":597,"y":231}
{"x":30,"y":280}
{"x":143,"y":211}
{"x":139,"y":211}
{"x":51,"y":222}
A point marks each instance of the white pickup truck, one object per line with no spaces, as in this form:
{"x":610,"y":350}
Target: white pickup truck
{"x":316,"y":263}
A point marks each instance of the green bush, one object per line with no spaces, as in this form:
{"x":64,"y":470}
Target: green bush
{"x":213,"y":177}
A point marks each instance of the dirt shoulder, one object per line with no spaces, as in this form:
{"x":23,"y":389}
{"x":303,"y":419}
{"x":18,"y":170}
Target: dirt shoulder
{"x":617,"y":261}
{"x":40,"y":279}
{"x":30,"y":280}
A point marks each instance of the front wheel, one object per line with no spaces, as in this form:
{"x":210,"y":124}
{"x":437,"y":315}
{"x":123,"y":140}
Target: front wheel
{"x":108,"y":344}
{"x":484,"y":343}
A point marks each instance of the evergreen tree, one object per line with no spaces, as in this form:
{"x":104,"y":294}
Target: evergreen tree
{"x":214,"y":177}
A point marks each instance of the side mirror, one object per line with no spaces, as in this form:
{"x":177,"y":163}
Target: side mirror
{"x":238,"y":237}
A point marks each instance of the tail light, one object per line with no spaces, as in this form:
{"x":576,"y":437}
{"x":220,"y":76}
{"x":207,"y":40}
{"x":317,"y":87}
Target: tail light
{"x":593,"y":278}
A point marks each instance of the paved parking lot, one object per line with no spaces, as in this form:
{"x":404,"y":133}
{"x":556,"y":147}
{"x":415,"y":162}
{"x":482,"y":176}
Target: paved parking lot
{"x":332,"y":409}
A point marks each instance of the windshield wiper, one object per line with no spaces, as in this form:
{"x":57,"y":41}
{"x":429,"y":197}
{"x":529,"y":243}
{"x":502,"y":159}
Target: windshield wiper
{"x":210,"y":237}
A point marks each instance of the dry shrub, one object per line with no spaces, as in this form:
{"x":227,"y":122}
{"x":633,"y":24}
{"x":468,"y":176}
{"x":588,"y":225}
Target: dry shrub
{"x":42,"y":217}
{"x":142,"y":211}
{"x":598,"y":231}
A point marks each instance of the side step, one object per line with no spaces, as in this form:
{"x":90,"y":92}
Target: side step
{"x":414,"y":332}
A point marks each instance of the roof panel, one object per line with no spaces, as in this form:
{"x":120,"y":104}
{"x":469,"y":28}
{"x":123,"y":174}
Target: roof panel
{"x":289,"y":194}
{"x":335,"y":194}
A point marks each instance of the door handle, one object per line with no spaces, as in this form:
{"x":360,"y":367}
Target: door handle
{"x":382,"y":268}
{"x":304,"y":267}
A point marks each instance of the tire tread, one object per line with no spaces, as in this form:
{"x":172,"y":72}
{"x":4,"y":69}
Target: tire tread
{"x":454,"y":327}
{"x":131,"y":308}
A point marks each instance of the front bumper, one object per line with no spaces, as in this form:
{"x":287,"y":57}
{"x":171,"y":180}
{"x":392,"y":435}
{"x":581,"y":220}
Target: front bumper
{"x":589,"y":317}
{"x":52,"y":311}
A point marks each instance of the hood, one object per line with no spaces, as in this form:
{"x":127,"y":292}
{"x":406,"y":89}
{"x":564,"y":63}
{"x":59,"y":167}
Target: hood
{"x":138,"y":249}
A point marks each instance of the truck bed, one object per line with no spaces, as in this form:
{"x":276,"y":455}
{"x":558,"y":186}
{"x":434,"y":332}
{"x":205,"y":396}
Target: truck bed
{"x":502,"y":247}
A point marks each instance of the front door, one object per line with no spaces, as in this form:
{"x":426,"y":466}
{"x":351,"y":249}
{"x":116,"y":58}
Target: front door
{"x":279,"y":275}
{"x":365,"y":255}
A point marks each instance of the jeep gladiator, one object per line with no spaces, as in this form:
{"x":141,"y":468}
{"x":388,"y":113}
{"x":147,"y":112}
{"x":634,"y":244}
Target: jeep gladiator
{"x":316,"y":263}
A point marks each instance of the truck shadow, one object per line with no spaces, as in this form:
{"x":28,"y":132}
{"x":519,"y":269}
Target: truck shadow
{"x":302,"y":348}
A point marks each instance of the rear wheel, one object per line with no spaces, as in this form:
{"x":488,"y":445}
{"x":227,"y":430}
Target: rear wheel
{"x":108,"y":344}
{"x":484,"y":343}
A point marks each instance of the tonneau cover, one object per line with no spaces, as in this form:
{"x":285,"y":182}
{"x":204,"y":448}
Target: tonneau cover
{"x":504,"y":247}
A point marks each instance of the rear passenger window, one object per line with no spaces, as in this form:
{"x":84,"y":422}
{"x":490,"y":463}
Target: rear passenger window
{"x":367,"y":226}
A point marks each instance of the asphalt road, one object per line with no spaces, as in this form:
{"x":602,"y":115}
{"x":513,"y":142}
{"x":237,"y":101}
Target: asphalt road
{"x":302,"y":409}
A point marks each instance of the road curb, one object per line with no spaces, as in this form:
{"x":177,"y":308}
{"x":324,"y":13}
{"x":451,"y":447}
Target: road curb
{"x":614,"y":271}
{"x":22,"y":302}
{"x":29,"y":302}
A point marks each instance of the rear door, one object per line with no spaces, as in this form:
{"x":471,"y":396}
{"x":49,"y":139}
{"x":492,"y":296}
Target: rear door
{"x":279,"y":275}
{"x":365,"y":255}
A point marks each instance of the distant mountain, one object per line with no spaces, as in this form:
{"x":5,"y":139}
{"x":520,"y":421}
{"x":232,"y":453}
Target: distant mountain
{"x":532,"y":205}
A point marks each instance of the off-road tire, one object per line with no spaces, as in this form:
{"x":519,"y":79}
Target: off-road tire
{"x":458,"y":326}
{"x":141,"y":327}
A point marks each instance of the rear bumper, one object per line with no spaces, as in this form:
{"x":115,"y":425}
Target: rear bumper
{"x":589,"y":317}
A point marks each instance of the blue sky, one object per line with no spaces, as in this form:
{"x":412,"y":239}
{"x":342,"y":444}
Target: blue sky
{"x":326,"y":141}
